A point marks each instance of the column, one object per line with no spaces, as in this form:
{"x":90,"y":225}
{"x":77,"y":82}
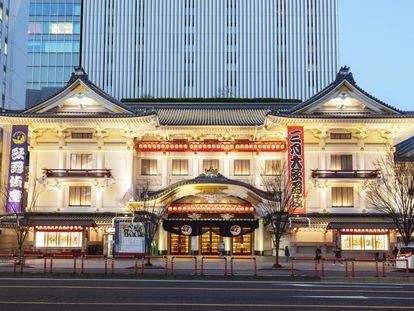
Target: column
{"x":226,"y":166}
{"x":361,"y":166}
{"x":129,"y":165}
{"x":227,"y":245}
{"x":162,"y":239}
{"x":61,"y":166}
{"x":99,"y":189}
{"x":195,"y":245}
{"x":164,"y":171}
{"x":259,"y":239}
{"x":322,"y":153}
{"x":196,"y":170}
{"x":32,"y":186}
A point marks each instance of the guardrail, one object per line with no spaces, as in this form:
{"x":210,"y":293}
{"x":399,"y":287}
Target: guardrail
{"x":243,"y":258}
{"x":213,"y":258}
{"x":184,"y":257}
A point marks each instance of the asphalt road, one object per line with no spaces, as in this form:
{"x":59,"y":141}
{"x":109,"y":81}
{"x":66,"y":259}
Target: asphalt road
{"x":182,"y":295}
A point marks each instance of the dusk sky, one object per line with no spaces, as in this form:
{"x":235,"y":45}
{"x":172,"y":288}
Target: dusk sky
{"x":376,"y":40}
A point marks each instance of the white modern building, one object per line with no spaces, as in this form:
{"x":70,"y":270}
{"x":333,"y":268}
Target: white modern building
{"x":13,"y":57}
{"x":210,"y":48}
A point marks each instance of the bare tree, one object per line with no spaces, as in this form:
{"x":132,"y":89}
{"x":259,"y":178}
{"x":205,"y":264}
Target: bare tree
{"x":392,"y":193}
{"x":20,"y":223}
{"x":278,"y":209}
{"x":148,"y":212}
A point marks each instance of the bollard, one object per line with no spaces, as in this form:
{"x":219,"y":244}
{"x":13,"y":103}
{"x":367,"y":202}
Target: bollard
{"x":136,"y":265}
{"x":166,"y":265}
{"x":172,"y":265}
{"x":323,"y":267}
{"x":346,"y":268}
{"x":106,"y":265}
{"x":195,"y":265}
{"x":353,"y":268}
{"x":14,"y":264}
{"x":202,"y":266}
{"x":82,"y":263}
{"x":376,"y":269}
{"x":383,"y":269}
{"x":21,"y":264}
{"x":142,"y":265}
{"x":255,"y":266}
{"x":45,"y":264}
{"x":232,"y":266}
{"x":407,"y":269}
{"x":315,"y":268}
{"x":51,"y":264}
{"x":292,"y":268}
{"x":74,"y":264}
{"x":113,"y":265}
{"x":225,"y":266}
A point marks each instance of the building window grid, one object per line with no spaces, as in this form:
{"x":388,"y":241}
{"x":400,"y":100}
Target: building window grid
{"x":342,"y":197}
{"x":149,"y":167}
{"x":79,"y":195}
{"x":241,"y":167}
{"x":179,"y":167}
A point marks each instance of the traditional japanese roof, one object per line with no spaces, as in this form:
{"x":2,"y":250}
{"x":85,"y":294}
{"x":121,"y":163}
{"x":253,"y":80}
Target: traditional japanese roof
{"x":405,"y":150}
{"x":337,"y":97}
{"x":245,"y":190}
{"x":211,"y":113}
{"x":351,"y":221}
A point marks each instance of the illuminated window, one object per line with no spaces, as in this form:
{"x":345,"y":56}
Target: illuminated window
{"x":272,"y":167}
{"x":61,"y":28}
{"x":149,"y":167}
{"x":341,"y":162}
{"x":342,"y":197}
{"x":79,"y":196}
{"x":364,"y":242}
{"x":179,"y":167}
{"x":341,"y":136}
{"x":81,"y":161}
{"x":241,"y":167}
{"x":34,"y":27}
{"x":210,"y":164}
{"x":58,"y":239}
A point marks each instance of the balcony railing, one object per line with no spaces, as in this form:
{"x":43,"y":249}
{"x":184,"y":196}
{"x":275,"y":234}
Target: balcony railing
{"x":361,"y":174}
{"x":77,"y":173}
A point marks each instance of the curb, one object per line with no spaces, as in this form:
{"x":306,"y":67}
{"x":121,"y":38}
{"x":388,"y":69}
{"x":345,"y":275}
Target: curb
{"x":369,"y":279}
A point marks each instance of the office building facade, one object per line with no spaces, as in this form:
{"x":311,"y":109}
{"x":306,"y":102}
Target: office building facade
{"x":53,"y":46}
{"x":210,"y":48}
{"x":13,"y":41}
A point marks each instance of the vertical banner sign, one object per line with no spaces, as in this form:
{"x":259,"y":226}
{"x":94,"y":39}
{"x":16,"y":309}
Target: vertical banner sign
{"x":18,"y":159}
{"x":296,"y":167}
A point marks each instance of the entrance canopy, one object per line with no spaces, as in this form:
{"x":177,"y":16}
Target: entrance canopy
{"x":210,"y":186}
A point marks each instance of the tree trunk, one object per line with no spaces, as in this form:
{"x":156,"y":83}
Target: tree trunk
{"x":277,"y":264}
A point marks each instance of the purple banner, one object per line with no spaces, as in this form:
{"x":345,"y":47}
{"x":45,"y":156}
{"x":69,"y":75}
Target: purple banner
{"x":18,"y":159}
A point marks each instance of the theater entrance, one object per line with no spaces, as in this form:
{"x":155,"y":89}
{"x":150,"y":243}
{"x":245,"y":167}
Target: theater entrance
{"x":210,"y":241}
{"x":179,"y":244}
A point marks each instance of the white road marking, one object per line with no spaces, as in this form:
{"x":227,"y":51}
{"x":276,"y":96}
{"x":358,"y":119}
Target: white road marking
{"x":340,"y":286}
{"x":357,"y":297}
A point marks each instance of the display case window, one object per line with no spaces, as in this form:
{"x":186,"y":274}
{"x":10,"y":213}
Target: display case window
{"x":58,"y":239}
{"x":179,"y":244}
{"x":210,"y":242}
{"x":242,"y":245}
{"x":364,"y":242}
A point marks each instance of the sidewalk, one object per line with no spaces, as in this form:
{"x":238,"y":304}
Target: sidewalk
{"x":211,"y":267}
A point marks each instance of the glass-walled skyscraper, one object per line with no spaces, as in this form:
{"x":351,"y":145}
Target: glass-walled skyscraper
{"x":53,"y":45}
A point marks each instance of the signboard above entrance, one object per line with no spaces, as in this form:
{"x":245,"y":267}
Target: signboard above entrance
{"x":210,"y":146}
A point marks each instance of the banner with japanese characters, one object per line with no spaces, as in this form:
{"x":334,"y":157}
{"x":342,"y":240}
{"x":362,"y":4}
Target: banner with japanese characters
{"x":18,"y":158}
{"x":296,"y":167}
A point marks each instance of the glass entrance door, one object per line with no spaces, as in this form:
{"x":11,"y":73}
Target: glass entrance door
{"x":242,"y":245}
{"x":179,"y":244}
{"x":210,"y":242}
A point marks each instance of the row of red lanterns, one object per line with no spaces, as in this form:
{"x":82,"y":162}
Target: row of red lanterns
{"x":210,"y":146}
{"x":211,"y":208}
{"x":59,"y":228}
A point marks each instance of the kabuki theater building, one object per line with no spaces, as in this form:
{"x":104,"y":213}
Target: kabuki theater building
{"x":74,"y":163}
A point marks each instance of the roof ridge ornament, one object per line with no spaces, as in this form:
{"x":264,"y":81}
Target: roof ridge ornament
{"x":344,"y":73}
{"x":78,"y":72}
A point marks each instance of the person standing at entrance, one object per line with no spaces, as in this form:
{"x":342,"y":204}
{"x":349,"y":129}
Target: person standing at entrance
{"x":338,"y":255}
{"x":287,"y":253}
{"x":318,"y":254}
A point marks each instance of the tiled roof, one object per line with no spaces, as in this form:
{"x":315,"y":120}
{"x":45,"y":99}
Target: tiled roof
{"x":343,"y":75}
{"x":405,"y":150}
{"x":322,"y":220}
{"x":230,"y":114}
